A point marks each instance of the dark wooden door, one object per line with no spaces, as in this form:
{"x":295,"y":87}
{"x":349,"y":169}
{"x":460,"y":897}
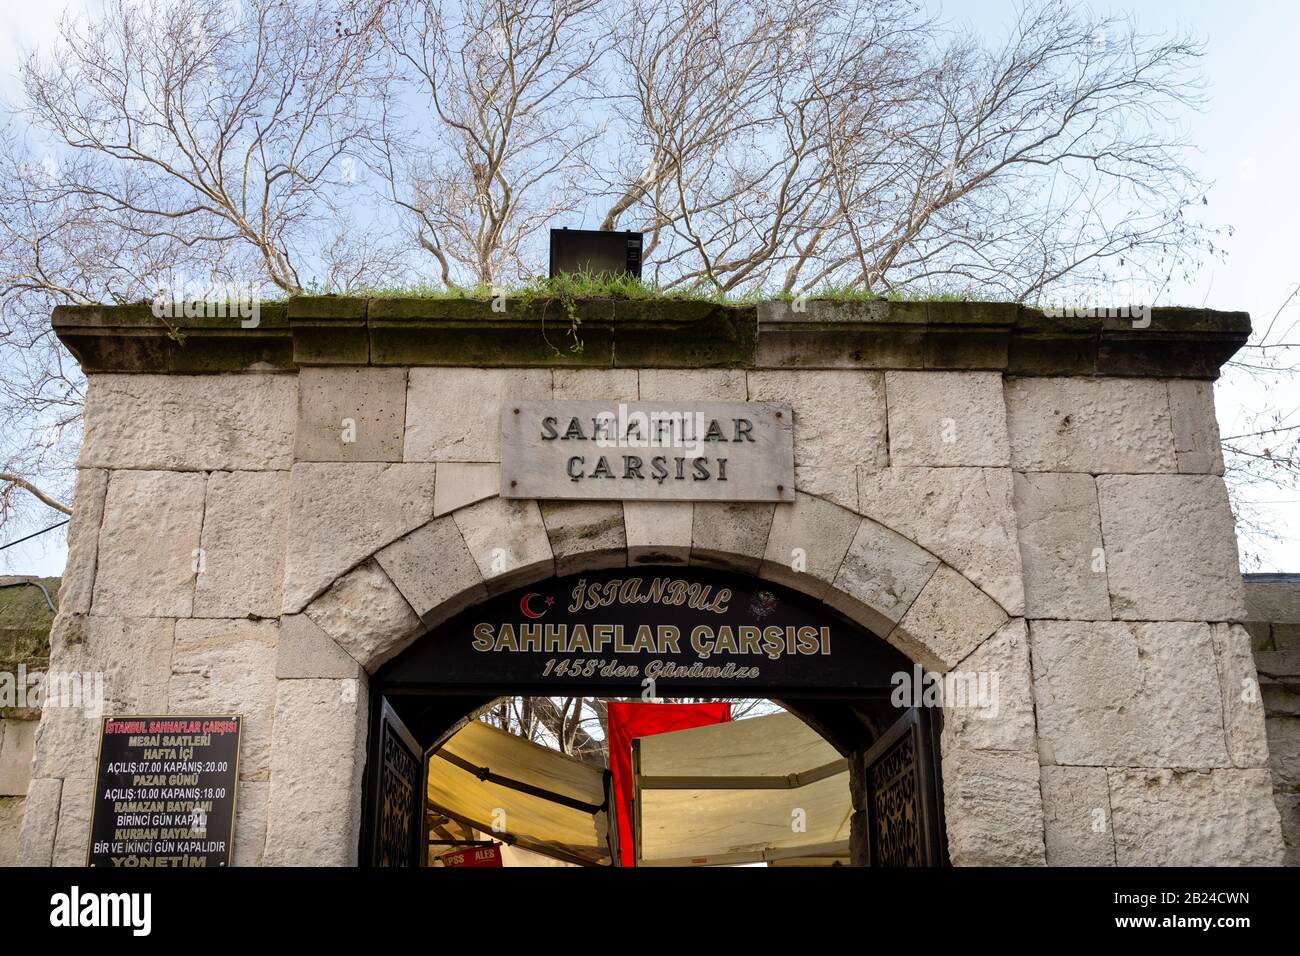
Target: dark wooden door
{"x":897,"y":815}
{"x":396,"y":815}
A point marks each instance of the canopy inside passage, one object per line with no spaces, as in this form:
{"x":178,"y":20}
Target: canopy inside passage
{"x":747,"y":791}
{"x":553,"y":804}
{"x":764,"y":789}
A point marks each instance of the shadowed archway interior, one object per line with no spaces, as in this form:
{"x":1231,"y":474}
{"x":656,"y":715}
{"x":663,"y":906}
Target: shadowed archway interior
{"x":661,"y":632}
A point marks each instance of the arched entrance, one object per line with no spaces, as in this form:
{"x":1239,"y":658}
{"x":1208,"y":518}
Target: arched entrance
{"x":661,"y":632}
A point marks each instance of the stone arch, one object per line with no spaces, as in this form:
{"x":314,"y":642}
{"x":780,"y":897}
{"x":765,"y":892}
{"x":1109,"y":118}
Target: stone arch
{"x":876,"y":577}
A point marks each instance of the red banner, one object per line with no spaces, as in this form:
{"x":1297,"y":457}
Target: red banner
{"x":629,"y":721}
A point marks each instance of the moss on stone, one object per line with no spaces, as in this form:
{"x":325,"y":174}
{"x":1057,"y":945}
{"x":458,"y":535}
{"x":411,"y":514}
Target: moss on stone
{"x":25,"y":622}
{"x":552,"y":326}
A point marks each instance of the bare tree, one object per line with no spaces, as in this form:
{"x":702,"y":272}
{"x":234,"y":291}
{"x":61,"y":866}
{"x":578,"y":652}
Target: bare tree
{"x":169,"y":141}
{"x":57,"y":245}
{"x":854,"y":145}
{"x":1262,"y":454}
{"x":233,"y":119}
{"x":763,"y":147}
{"x":495,"y":156}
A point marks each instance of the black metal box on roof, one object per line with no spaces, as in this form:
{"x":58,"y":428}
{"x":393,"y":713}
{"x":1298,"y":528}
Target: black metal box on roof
{"x":595,"y":251}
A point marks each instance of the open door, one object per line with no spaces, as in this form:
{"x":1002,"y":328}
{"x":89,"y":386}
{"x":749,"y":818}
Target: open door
{"x":896,"y":816}
{"x":396,"y":815}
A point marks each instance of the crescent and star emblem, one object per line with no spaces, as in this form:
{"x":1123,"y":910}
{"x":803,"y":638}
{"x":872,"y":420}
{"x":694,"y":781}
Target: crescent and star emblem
{"x":528,"y":611}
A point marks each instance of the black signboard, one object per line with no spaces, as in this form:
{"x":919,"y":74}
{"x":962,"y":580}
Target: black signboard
{"x":657,"y":631}
{"x":165,"y":791}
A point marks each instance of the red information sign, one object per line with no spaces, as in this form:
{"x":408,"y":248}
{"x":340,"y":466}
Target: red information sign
{"x":477,"y":856}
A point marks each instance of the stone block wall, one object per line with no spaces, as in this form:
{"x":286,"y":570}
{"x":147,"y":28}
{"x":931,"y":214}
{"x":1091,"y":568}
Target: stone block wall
{"x":1273,"y":620}
{"x":25,"y":619}
{"x":1150,"y":734}
{"x":260,"y":541}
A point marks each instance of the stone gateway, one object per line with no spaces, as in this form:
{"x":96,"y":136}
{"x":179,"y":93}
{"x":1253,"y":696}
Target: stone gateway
{"x":313,"y":522}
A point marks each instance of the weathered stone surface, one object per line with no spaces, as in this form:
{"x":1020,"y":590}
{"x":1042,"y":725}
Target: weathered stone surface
{"x":993,"y":808}
{"x":947,"y":418}
{"x":305,"y":651}
{"x":1194,"y":818}
{"x":1076,"y":817}
{"x":340,"y":513}
{"x":244,"y":524}
{"x":881,"y":575}
{"x":807,"y":543}
{"x":1279,"y":700}
{"x":1094,"y":425}
{"x":839,"y":422}
{"x":1060,"y":546}
{"x":454,"y":414}
{"x":1273,"y":601}
{"x":611,"y":384}
{"x":730,"y":535}
{"x":133,"y":657}
{"x":40,"y":822}
{"x":658,"y":532}
{"x":330,"y":330}
{"x":1196,"y":429}
{"x":681,"y":334}
{"x":1286,"y":637}
{"x":11,"y":825}
{"x":1284,"y":751}
{"x":366,"y":615}
{"x":1288,"y":808}
{"x":434,"y":570}
{"x":350,"y":414}
{"x":462,"y":483}
{"x":1114,"y":694}
{"x":508,"y":542}
{"x":251,"y":809}
{"x":989,"y":700}
{"x":992,"y":802}
{"x":190,"y":422}
{"x":837,"y":484}
{"x":83,"y":540}
{"x":228,"y":667}
{"x":72,"y":841}
{"x":693,"y":385}
{"x":1243,"y":708}
{"x":148,"y":544}
{"x":318,"y":755}
{"x":962,"y":515}
{"x":17,"y":747}
{"x":949,"y":619}
{"x":585,"y":535}
{"x":1171,"y":548}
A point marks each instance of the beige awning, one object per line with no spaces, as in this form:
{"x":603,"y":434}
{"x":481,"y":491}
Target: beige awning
{"x":763,"y":789}
{"x":546,"y":801}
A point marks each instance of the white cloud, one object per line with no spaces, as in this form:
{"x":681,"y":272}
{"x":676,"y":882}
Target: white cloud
{"x":30,"y":25}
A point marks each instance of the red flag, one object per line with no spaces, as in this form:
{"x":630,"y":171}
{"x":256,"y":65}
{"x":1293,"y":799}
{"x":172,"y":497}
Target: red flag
{"x":629,"y":721}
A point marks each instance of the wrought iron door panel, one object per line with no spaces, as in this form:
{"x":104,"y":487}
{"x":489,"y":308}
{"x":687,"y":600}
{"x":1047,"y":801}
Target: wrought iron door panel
{"x":399,"y":802}
{"x":901,"y":812}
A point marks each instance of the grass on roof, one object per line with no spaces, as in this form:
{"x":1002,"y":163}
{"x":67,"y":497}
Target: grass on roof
{"x":583,"y":285}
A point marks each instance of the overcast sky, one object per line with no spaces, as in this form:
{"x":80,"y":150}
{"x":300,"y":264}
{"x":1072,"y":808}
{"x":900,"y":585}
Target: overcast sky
{"x":1249,"y":139}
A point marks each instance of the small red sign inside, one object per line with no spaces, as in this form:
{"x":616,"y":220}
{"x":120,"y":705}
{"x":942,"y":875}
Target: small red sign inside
{"x":478,"y":856}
